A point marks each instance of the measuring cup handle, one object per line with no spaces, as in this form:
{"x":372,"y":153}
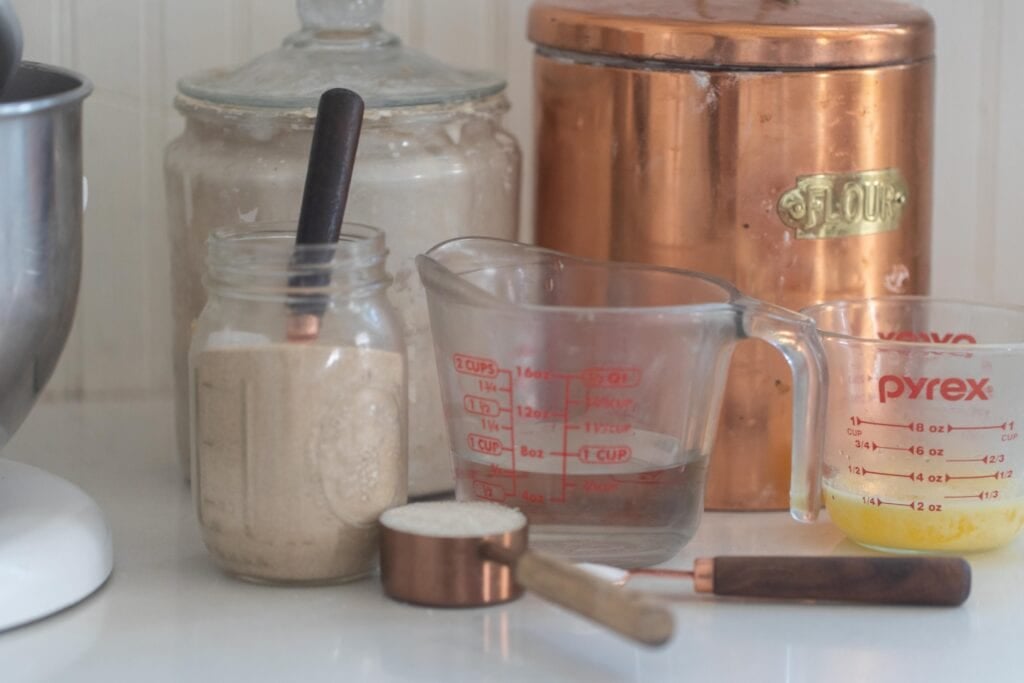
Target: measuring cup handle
{"x":626,"y":612}
{"x":795,"y":337}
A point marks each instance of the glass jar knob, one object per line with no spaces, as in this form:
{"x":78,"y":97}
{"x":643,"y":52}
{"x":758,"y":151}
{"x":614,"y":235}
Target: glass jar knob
{"x":340,"y":15}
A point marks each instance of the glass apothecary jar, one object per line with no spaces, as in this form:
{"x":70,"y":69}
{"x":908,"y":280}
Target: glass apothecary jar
{"x":434,"y":163}
{"x":298,"y":446}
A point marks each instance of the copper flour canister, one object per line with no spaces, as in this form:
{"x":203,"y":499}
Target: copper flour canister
{"x":785,"y":146}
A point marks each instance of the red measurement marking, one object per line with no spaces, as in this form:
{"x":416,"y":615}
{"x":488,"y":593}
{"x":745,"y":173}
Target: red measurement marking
{"x":618,"y":404}
{"x":565,"y":440}
{"x":641,"y":478}
{"x":599,"y":487}
{"x":488,"y":386}
{"x":487,"y":445}
{"x":607,"y":427}
{"x":481,"y":406}
{"x":987,"y":459}
{"x":535,"y":498}
{"x":512,"y":428}
{"x":893,"y":448}
{"x":884,"y":424}
{"x":889,"y":474}
{"x":611,"y":378}
{"x":528,"y":452}
{"x":507,"y":389}
{"x":530,"y":413}
{"x":605,"y":455}
{"x":878,"y":502}
{"x":488,"y":491}
{"x":976,"y":495}
{"x":921,"y":476}
{"x":1008,"y":474}
{"x":495,"y":472}
{"x":489,"y":424}
{"x":965,"y":429}
{"x":472,"y":365}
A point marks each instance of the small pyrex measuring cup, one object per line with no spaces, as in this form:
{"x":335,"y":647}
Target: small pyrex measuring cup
{"x":587,"y":394}
{"x":926,"y":398}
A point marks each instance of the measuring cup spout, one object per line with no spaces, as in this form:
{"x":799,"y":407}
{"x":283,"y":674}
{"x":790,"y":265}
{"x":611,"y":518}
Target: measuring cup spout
{"x":439,"y":271}
{"x":475,"y":270}
{"x":795,"y":336}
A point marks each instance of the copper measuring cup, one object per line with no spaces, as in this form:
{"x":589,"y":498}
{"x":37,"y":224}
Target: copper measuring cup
{"x":471,"y":554}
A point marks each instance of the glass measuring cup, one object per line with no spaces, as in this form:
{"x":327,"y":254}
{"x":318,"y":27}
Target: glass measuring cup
{"x":922,"y":445}
{"x":587,"y":394}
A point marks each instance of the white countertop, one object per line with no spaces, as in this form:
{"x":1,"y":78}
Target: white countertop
{"x":167,"y":614}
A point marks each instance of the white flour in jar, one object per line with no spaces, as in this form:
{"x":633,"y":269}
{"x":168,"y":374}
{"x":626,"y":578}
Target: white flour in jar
{"x":298,"y":450}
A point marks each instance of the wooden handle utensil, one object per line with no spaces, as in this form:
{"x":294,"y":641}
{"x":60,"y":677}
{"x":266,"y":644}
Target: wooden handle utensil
{"x":626,"y":612}
{"x":934,"y":581}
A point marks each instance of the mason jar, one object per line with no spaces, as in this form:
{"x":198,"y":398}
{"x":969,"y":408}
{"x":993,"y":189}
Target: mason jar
{"x":298,"y":443}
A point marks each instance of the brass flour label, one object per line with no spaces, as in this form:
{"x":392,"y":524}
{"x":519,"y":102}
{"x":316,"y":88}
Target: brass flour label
{"x":826,"y":205}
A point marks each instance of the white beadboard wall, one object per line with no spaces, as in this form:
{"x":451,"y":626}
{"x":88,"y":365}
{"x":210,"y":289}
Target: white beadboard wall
{"x":135,"y":50}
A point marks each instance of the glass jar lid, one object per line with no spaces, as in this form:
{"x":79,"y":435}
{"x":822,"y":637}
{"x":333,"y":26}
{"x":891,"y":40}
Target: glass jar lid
{"x":341,"y":44}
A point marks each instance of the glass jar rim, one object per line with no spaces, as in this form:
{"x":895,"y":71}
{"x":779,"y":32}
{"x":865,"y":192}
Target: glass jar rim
{"x":262,"y":260}
{"x":270,"y":238}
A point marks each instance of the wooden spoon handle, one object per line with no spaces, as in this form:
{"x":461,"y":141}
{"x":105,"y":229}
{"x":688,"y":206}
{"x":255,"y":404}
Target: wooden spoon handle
{"x":939,"y":581}
{"x":332,"y":155}
{"x":626,"y":612}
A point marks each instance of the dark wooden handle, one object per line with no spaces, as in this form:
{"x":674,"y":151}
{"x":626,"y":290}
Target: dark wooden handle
{"x":940,"y":581}
{"x":339,"y":120}
{"x":332,"y":155}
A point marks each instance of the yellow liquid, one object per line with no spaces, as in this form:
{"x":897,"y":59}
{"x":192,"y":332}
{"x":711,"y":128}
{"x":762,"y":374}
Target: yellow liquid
{"x":957,"y":527}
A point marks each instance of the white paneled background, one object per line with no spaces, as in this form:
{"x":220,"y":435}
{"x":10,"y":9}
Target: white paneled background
{"x":135,"y":50}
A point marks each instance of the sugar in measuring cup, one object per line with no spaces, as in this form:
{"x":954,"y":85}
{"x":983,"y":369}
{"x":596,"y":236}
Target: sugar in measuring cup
{"x":926,"y":401}
{"x":587,"y":394}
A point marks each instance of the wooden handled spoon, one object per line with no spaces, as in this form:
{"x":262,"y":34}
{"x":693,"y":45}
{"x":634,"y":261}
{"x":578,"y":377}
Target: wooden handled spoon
{"x":932,"y":581}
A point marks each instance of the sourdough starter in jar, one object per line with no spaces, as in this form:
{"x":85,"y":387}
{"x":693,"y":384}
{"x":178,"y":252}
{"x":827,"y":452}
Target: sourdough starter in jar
{"x":298,"y":453}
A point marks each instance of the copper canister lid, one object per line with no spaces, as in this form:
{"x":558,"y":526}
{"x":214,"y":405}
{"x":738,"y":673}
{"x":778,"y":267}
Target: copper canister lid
{"x":745,"y":33}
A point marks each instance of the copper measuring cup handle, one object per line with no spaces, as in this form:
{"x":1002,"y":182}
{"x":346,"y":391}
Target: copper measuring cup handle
{"x":626,"y":612}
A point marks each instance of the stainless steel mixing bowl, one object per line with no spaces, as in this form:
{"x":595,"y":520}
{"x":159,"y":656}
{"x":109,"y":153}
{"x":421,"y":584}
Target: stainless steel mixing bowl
{"x":40,"y":229}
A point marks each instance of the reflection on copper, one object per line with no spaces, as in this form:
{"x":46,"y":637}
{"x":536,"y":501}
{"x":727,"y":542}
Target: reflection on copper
{"x":495,"y":634}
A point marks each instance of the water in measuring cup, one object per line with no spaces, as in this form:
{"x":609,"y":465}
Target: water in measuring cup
{"x":627,"y":502}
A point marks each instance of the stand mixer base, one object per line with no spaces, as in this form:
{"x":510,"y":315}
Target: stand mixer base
{"x":55,"y":546}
